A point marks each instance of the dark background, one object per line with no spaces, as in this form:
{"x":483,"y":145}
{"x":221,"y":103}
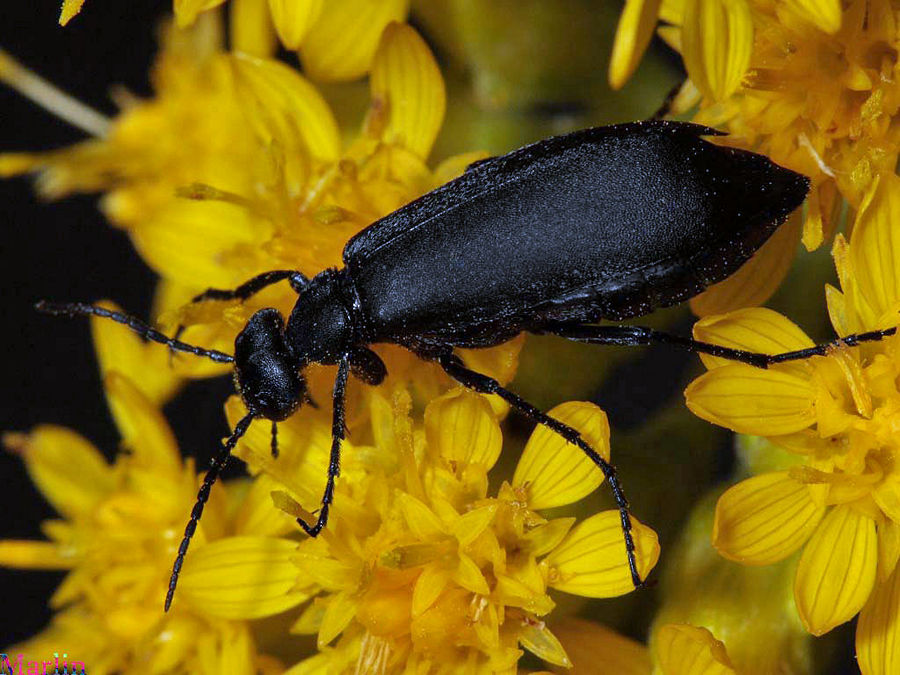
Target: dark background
{"x":65,"y":251}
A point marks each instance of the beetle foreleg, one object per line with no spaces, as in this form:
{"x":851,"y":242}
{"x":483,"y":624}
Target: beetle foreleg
{"x":454,"y":367}
{"x":253,"y":286}
{"x":249,"y":288}
{"x":337,"y":436}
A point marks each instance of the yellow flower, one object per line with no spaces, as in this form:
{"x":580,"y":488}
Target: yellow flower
{"x":237,"y":167}
{"x":706,"y":603}
{"x":678,"y":649}
{"x":419,"y":569}
{"x":838,"y":491}
{"x":812,"y":84}
{"x":119,"y":528}
{"x":336,"y":40}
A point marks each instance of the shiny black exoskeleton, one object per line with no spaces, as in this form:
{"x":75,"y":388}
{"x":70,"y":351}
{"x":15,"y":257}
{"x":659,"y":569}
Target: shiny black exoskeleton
{"x":604,"y":223}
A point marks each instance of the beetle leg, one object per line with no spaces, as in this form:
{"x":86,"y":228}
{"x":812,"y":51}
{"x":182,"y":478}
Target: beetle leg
{"x":481,"y":383}
{"x":337,"y":435}
{"x":274,"y":439}
{"x":367,"y":366}
{"x":253,"y":286}
{"x":218,"y":463}
{"x":665,"y":107}
{"x":249,"y":288}
{"x":630,"y":336}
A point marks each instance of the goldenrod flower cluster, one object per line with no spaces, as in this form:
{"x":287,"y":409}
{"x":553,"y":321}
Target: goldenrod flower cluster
{"x":238,"y":166}
{"x":435,"y":560}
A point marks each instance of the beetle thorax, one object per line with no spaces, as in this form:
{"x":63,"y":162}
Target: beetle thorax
{"x":320,"y":329}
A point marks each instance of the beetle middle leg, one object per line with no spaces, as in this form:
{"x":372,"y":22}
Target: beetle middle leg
{"x":630,"y":336}
{"x":337,"y":436}
{"x":481,"y":383}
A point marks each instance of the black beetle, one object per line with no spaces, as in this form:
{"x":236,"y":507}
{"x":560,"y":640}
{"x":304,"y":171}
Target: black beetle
{"x":603,"y":223}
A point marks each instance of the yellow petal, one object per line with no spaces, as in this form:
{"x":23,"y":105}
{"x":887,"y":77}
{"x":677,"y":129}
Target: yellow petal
{"x":251,"y":28}
{"x":461,"y":427}
{"x":68,"y":470}
{"x":469,"y":576}
{"x":284,"y":106}
{"x":341,"y":44}
{"x":633,"y":34}
{"x":584,"y":639}
{"x":444,"y":172}
{"x":887,"y":494}
{"x":293,"y":18}
{"x":717,"y":42}
{"x":339,"y":613}
{"x":824,"y":14}
{"x":591,"y":561}
{"x":756,"y":329}
{"x":757,"y":279}
{"x":537,"y":638}
{"x":69,"y":9}
{"x":256,"y":516}
{"x":888,"y":548}
{"x":34,"y":555}
{"x":753,"y":401}
{"x":836,"y":572}
{"x":422,"y":521}
{"x":407,"y":82}
{"x":241,"y":578}
{"x":185,"y":241}
{"x":186,"y":11}
{"x":878,"y":630}
{"x":875,"y":250}
{"x":555,"y":472}
{"x":682,"y":649}
{"x":144,"y":430}
{"x":764,"y":519}
{"x":472,"y":523}
{"x":146,"y":364}
{"x":430,"y":584}
{"x":544,"y":538}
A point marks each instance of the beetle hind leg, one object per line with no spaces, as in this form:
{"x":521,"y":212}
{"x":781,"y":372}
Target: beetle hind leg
{"x":483,"y":384}
{"x":632,"y":336}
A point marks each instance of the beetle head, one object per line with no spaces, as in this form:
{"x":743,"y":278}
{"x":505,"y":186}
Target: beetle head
{"x":266,"y":375}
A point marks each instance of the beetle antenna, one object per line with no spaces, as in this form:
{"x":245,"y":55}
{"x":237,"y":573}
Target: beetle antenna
{"x":138,"y":326}
{"x":218,"y":463}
